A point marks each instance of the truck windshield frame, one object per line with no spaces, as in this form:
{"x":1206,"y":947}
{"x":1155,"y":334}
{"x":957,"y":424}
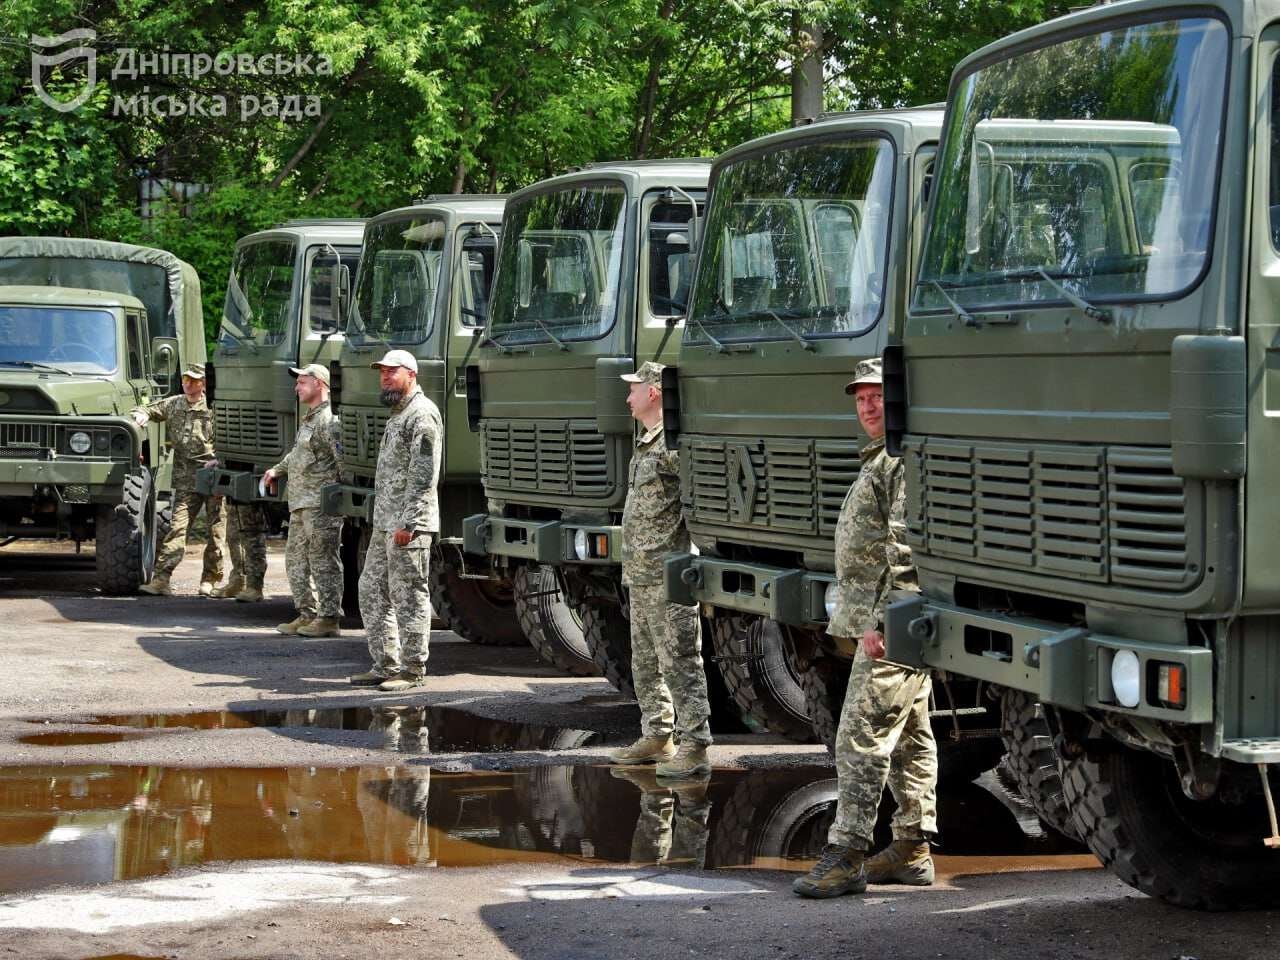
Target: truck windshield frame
{"x":1066,"y":162}
{"x":74,"y":340}
{"x":398,"y":283}
{"x":560,"y":264}
{"x":260,"y":293}
{"x":824,"y":207}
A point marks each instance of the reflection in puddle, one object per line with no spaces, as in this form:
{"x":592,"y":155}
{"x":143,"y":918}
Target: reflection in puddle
{"x":409,"y":729}
{"x":78,"y":738}
{"x":95,"y":824}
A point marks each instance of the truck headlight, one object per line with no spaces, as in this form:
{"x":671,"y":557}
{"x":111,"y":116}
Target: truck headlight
{"x":1126,"y":678}
{"x":829,"y":599}
{"x":80,"y":442}
{"x":580,"y":548}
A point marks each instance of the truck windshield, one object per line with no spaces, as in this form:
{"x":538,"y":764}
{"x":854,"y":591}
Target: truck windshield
{"x":395,"y":298}
{"x":560,"y":265}
{"x":796,"y":243}
{"x":259,"y":292}
{"x":1088,"y":165}
{"x":70,"y":340}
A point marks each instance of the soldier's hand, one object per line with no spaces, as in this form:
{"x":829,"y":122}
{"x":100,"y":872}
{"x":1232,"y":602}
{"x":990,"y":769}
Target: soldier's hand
{"x":873,"y":644}
{"x":403,"y":537}
{"x":141,"y":417}
{"x":269,"y":478}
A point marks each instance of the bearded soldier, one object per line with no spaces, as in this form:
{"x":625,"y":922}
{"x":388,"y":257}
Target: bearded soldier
{"x":884,"y":735}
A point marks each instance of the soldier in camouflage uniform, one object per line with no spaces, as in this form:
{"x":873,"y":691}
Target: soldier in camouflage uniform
{"x":394,"y":599}
{"x":312,"y":557}
{"x":884,"y":735}
{"x":672,"y":827}
{"x":247,"y":547}
{"x":666,"y":646}
{"x":190,"y":431}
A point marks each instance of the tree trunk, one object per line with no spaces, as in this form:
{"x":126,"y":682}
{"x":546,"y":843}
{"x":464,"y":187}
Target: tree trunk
{"x":806,"y":73}
{"x":649,"y":92}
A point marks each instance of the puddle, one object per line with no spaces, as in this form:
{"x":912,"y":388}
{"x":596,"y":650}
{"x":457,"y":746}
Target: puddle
{"x":406,"y":729}
{"x":97,"y":824}
{"x":78,"y":738}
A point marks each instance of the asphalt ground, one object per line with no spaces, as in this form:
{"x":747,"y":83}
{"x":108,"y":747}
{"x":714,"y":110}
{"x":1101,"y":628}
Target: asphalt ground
{"x":179,"y":780}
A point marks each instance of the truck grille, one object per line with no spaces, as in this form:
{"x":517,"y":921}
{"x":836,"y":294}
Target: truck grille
{"x":792,"y":486}
{"x":547,"y":457}
{"x":250,"y":429}
{"x":25,"y":439}
{"x":1111,"y":514}
{"x":362,"y":429}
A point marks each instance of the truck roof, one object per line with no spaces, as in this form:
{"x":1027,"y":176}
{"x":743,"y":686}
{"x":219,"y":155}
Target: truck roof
{"x":451,"y":206}
{"x":65,"y":297}
{"x":915,"y":125}
{"x":638,"y":174}
{"x":338,"y":232}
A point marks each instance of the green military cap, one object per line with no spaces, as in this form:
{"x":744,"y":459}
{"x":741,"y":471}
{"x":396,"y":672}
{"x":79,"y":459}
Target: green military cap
{"x":866,"y":371}
{"x":649,"y":372}
{"x":194,"y":370}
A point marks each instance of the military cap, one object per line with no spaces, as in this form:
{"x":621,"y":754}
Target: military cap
{"x":319,"y":371}
{"x":194,"y":370}
{"x":397,"y":358}
{"x":649,"y":372}
{"x":866,"y":371}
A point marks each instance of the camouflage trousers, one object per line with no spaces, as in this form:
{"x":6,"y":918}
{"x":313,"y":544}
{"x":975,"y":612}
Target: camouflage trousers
{"x":313,"y":560}
{"x":666,"y":665}
{"x":672,"y":828}
{"x":393,"y":811}
{"x":395,"y":603}
{"x":884,"y":738}
{"x":186,"y":505}
{"x":247,"y":542}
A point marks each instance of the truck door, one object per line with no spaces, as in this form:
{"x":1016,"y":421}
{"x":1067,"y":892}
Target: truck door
{"x":476,"y":248}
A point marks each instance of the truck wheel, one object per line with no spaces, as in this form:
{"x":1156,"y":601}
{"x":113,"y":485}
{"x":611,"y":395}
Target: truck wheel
{"x":771,"y":818}
{"x":608,"y":636}
{"x":751,"y":654}
{"x":1032,"y":761}
{"x":125,"y":537}
{"x":549,"y":623}
{"x":963,"y":761}
{"x":1207,"y":855}
{"x":825,"y":680}
{"x":482,"y":611}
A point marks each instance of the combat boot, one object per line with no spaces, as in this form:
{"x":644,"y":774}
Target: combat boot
{"x":403,"y":681}
{"x":320,"y":627}
{"x":689,"y":762}
{"x":158,"y":587}
{"x":645,"y":750}
{"x":293,"y":626}
{"x":840,"y":870}
{"x":207,"y":587}
{"x":249,"y":595}
{"x":230,"y":588}
{"x":370,"y":678}
{"x":903,"y":861}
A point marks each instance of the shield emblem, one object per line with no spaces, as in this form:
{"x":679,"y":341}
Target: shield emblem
{"x":41,"y":61}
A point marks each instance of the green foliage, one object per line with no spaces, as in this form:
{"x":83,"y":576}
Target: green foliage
{"x":430,"y":96}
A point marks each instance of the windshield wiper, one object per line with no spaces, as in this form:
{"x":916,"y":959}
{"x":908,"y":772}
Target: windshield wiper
{"x":960,"y":313}
{"x":502,"y":347}
{"x":1077,"y":301}
{"x":37,"y":365}
{"x":796,"y":335}
{"x":720,"y":347}
{"x":547,"y":330}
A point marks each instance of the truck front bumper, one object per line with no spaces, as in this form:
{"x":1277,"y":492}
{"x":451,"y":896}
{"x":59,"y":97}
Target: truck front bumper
{"x":788,"y":595}
{"x":552,"y":542}
{"x":18,"y":477}
{"x":1069,"y":668}
{"x":347,"y":500}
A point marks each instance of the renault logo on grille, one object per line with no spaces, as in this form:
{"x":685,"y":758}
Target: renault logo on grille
{"x":741,"y":481}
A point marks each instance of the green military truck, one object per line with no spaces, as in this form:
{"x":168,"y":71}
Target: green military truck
{"x":286,"y":295}
{"x":88,"y":330}
{"x":423,"y":286}
{"x":1084,"y":402}
{"x":593,"y":269}
{"x":803,"y":269}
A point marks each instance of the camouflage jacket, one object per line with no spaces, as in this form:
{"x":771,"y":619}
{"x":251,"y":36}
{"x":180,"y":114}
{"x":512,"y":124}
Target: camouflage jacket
{"x":652,"y":525}
{"x":404,"y":487}
{"x":189,"y":427}
{"x":872,"y":557}
{"x":313,"y":461}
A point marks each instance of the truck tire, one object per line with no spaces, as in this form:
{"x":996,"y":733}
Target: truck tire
{"x":771,"y":818}
{"x":825,"y":680}
{"x":551,"y":626}
{"x":482,"y":611}
{"x":125,"y":537}
{"x":1206,"y":855}
{"x":1032,"y":761}
{"x":751,"y":655}
{"x":608,"y":636}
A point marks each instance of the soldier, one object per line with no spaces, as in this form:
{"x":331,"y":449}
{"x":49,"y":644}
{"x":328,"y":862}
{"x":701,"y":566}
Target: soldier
{"x":884,"y":735}
{"x":394,"y":600}
{"x":190,"y":432}
{"x":312,"y":557}
{"x":247,"y":547}
{"x":666,"y":646}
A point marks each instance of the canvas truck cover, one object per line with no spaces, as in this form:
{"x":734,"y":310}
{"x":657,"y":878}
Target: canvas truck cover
{"x":167,"y":286}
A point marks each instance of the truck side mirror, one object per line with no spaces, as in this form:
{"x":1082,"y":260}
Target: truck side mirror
{"x":524,"y":274}
{"x":164,"y":361}
{"x":339,"y":293}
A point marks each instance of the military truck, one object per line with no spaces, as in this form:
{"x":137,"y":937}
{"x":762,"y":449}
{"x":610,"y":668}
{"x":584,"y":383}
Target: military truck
{"x":286,"y":295}
{"x":1085,"y":401}
{"x":593,"y":269}
{"x":88,"y":330}
{"x":803,"y":269}
{"x":423,"y":286}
